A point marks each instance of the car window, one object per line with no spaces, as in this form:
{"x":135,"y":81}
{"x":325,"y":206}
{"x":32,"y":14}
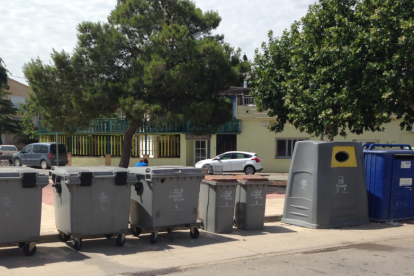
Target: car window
{"x":44,"y":149}
{"x":36,"y":148}
{"x":62,"y":148}
{"x":27,"y":149}
{"x":225,"y":156}
{"x":238,"y":156}
{"x":8,"y":148}
{"x":247,"y":156}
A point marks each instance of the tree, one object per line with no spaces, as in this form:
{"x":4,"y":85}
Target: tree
{"x":7,"y":110}
{"x":346,"y":66}
{"x":152,"y":56}
{"x":27,"y":134}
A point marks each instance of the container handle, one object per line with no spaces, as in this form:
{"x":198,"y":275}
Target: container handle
{"x":372,"y":146}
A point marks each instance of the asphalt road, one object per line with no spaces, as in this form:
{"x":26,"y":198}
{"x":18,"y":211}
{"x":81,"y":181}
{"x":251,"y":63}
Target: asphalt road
{"x":392,"y":257}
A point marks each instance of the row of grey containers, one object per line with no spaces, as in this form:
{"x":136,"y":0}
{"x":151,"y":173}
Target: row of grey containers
{"x":238,"y":200}
{"x":95,"y":201}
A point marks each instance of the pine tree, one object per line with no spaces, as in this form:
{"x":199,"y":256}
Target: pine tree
{"x":7,"y":110}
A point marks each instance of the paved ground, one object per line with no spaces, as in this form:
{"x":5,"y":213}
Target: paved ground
{"x":296,"y":250}
{"x":390,"y":257}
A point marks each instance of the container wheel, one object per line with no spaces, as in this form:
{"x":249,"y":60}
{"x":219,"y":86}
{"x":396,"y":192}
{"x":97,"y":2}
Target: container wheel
{"x":21,"y":244}
{"x":108,"y":236}
{"x":65,"y":237}
{"x":77,"y":245}
{"x":119,"y":241}
{"x":196,"y":233}
{"x":27,"y":251}
{"x":137,"y":232}
{"x":153,"y":238}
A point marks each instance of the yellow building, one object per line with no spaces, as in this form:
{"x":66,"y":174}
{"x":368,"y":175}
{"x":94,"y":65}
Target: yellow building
{"x":174,"y":145}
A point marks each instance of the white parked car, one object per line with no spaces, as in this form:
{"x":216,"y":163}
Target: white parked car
{"x":234,"y":161}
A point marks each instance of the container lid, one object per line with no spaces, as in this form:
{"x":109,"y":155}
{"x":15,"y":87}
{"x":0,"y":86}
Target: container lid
{"x":30,"y":177}
{"x":220,"y":178}
{"x":84,"y":175}
{"x":7,"y":172}
{"x":389,"y":151}
{"x":97,"y":170}
{"x":254,"y":178}
{"x":167,"y":171}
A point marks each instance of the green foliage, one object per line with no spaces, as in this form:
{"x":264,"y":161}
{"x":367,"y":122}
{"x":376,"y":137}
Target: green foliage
{"x":152,"y":56}
{"x":345,"y":66}
{"x":27,"y":134}
{"x":7,"y":110}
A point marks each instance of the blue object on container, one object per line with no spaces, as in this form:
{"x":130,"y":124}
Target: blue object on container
{"x":141,"y":164}
{"x":390,"y":176}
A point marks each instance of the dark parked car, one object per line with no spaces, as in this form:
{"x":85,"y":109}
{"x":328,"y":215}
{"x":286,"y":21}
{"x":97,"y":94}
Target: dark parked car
{"x":41,"y":154}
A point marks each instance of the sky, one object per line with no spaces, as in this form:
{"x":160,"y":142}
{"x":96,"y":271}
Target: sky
{"x":33,"y":28}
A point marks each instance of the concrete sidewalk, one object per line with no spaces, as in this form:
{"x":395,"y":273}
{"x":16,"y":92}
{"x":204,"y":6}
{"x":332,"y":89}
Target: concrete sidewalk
{"x":176,"y":251}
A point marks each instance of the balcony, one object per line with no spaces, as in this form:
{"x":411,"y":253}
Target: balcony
{"x":117,"y":126}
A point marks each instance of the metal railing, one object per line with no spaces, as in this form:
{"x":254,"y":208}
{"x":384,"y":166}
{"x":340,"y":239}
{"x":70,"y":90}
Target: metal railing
{"x":117,"y":126}
{"x":248,"y":101}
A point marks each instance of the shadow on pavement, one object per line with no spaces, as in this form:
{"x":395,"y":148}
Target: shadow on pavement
{"x":141,"y":244}
{"x":237,"y":234}
{"x":13,"y":257}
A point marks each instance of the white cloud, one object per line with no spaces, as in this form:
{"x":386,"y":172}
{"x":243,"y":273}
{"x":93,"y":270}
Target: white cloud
{"x":32,"y":28}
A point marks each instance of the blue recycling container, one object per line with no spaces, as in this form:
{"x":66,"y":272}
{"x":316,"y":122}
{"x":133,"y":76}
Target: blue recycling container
{"x":390,"y":174}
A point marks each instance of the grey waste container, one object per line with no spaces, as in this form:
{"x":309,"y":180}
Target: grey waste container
{"x":165,"y":197}
{"x":21,"y":206}
{"x":216,"y":205}
{"x":92,"y":201}
{"x":250,"y":202}
{"x":326,"y":186}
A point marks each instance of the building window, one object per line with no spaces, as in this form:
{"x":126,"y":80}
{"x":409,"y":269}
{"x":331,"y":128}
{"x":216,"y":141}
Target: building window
{"x":285,"y":147}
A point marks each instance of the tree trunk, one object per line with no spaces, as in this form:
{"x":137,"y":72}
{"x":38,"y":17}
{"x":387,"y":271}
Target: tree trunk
{"x":126,"y":147}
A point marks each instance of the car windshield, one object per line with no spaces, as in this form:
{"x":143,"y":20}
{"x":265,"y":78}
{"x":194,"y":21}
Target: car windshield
{"x":62,"y":148}
{"x":8,"y":148}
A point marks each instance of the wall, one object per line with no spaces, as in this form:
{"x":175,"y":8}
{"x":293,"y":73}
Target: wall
{"x":189,"y":146}
{"x":213,"y":145}
{"x":100,"y":161}
{"x":250,"y":112}
{"x":18,"y":89}
{"x":88,"y":161}
{"x":257,"y":138}
{"x":151,"y":161}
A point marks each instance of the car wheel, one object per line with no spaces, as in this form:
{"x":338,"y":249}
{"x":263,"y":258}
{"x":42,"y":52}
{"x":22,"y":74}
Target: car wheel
{"x":44,"y":165}
{"x":17,"y":162}
{"x":249,"y":170}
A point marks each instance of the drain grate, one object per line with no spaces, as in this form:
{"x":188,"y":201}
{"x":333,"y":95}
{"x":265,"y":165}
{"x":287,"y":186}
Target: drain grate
{"x":156,"y":272}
